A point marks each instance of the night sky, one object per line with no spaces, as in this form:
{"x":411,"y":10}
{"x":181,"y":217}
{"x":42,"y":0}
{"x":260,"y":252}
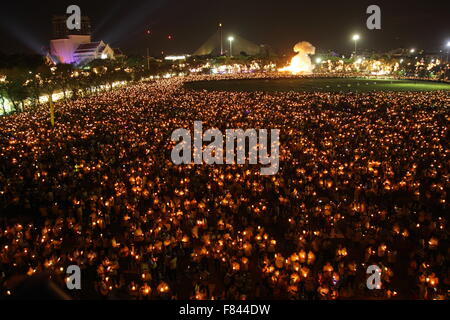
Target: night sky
{"x":25,"y":26}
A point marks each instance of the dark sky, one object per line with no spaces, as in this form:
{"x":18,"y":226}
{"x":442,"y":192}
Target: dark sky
{"x":25,"y":26}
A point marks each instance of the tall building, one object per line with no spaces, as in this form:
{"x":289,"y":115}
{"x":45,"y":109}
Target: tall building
{"x":76,"y":46}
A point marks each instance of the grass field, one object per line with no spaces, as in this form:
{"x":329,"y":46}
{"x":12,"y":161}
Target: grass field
{"x":318,"y":84}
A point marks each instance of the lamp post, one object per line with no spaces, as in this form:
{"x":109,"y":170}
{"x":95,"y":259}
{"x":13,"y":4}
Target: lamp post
{"x":221,"y":39}
{"x":355,"y":38}
{"x":448,"y":49}
{"x":148,"y":50}
{"x":231,"y":39}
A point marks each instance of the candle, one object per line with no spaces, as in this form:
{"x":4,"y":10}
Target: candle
{"x":433,"y":243}
{"x":302,"y":256}
{"x":342,"y":252}
{"x":163,"y":287}
{"x":295,"y":278}
{"x":145,"y":289}
{"x":311,"y":257}
{"x":328,"y":268}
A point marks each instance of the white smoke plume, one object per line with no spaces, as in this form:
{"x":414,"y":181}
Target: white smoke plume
{"x":305,"y":48}
{"x":301,"y":63}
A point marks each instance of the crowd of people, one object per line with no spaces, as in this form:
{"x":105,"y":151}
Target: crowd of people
{"x":363,"y":181}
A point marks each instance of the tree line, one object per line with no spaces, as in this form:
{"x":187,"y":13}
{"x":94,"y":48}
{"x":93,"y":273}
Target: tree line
{"x":27,"y":78}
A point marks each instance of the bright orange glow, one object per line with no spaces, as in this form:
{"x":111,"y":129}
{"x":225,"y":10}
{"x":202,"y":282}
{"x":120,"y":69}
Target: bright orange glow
{"x":301,"y":63}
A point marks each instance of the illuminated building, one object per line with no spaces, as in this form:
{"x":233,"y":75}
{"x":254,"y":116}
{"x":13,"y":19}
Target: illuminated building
{"x":76,"y":46}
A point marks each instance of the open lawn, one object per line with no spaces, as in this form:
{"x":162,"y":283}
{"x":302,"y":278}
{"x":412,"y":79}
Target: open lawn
{"x":318,"y":84}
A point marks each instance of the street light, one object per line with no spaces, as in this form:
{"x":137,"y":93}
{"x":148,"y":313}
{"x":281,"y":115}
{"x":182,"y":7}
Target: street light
{"x":231,"y":39}
{"x":448,"y":49}
{"x":221,"y":39}
{"x":149,"y":33}
{"x":412,"y":50}
{"x":355,"y":38}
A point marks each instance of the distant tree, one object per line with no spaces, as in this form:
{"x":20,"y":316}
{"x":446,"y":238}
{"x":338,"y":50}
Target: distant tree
{"x":63,"y":76}
{"x":134,"y":61}
{"x":424,"y":73}
{"x":34,"y":85}
{"x":49,"y":86}
{"x":3,"y":94}
{"x":15,"y":87}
